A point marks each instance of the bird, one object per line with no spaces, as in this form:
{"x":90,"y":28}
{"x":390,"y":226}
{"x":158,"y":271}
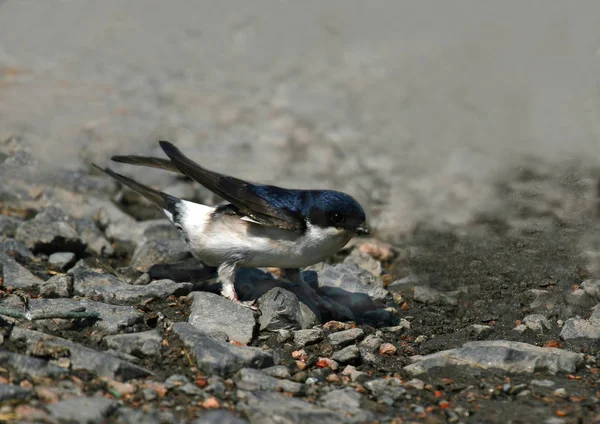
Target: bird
{"x":258,"y":226}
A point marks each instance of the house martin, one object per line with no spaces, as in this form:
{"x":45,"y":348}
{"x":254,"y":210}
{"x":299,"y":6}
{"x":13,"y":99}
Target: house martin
{"x":260,"y":226}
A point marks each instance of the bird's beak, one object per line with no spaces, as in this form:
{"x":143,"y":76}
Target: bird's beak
{"x":363,"y":229}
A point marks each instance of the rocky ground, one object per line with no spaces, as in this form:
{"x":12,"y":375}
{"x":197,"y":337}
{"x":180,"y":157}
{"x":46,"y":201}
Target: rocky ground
{"x":105,"y":316}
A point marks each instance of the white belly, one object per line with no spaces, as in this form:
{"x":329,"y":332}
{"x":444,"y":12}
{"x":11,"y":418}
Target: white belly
{"x":230,"y":238}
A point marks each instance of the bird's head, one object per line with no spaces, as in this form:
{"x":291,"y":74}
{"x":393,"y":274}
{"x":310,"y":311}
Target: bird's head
{"x":333,"y":209}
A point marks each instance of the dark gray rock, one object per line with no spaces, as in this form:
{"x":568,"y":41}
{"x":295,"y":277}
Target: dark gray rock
{"x":276,"y":408}
{"x":580,"y":299}
{"x":382,"y":388}
{"x":281,"y":310}
{"x":15,"y":275}
{"x":11,"y":393}
{"x":15,"y":249}
{"x":210,"y":312}
{"x":348,"y":355}
{"x":8,"y":225}
{"x":371,"y":343}
{"x":80,"y":356}
{"x":154,"y":252}
{"x":110,"y":289}
{"x":95,"y":409}
{"x":252,"y":380}
{"x":352,"y":287}
{"x":576,"y":328}
{"x":144,"y":344}
{"x":57,"y":286}
{"x":113,"y":318}
{"x":510,"y":357}
{"x":61,"y":260}
{"x":429,"y":295}
{"x":218,"y":357}
{"x":346,"y":337}
{"x":219,"y":416}
{"x":52,"y":230}
{"x":307,"y":337}
{"x":176,"y":380}
{"x":28,"y":365}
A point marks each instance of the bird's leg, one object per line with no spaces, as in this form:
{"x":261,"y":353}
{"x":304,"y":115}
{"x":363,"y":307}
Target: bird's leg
{"x":226,"y":274}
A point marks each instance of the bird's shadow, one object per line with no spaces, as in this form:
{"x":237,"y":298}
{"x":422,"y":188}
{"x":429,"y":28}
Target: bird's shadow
{"x":252,"y":283}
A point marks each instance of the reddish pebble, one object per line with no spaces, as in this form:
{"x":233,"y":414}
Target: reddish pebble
{"x":335,"y":326}
{"x":26,"y":384}
{"x":211,"y":403}
{"x":301,"y":365}
{"x":333,"y":378}
{"x":327,"y":363}
{"x":378,"y":252}
{"x":387,"y":349}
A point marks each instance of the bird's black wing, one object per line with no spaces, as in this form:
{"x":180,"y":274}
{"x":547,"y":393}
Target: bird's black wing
{"x":264,"y":204}
{"x":147,"y":161}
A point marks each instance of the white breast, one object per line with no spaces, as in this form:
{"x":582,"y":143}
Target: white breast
{"x":215,"y":240}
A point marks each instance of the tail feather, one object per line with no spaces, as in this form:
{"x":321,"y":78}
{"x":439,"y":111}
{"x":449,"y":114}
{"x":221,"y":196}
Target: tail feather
{"x":160,"y":199}
{"x":147,"y":161}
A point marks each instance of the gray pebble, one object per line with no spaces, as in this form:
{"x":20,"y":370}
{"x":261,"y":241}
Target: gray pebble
{"x":144,"y":344}
{"x":93,"y":409}
{"x":57,"y":286}
{"x":307,"y":337}
{"x":61,"y":260}
{"x":346,"y":337}
{"x":348,"y":355}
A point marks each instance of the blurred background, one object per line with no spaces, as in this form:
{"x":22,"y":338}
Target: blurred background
{"x":428,"y":112}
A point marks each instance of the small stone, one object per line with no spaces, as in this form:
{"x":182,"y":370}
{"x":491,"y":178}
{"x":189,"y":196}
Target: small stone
{"x":300,"y":354}
{"x":211,"y":403}
{"x":15,"y":249}
{"x":371,"y":343}
{"x":307,"y":337}
{"x":57,"y":286}
{"x":346,"y":337}
{"x":210,"y":312}
{"x":576,"y":328}
{"x":387,"y":349}
{"x":142,"y":280}
{"x":386,"y":387}
{"x":480,"y":331}
{"x":345,"y":400}
{"x":176,"y":380}
{"x":9,"y":225}
{"x":149,"y":394}
{"x":397,"y":329}
{"x":537,"y":323}
{"x":52,"y":230}
{"x":278,"y":371}
{"x":542,"y":383}
{"x":561,"y":392}
{"x":352,"y":372}
{"x":153,"y":252}
{"x":335,"y":326}
{"x":415,"y":383}
{"x":61,"y":260}
{"x":349,"y":354}
{"x":284,"y":335}
{"x":429,"y":295}
{"x":144,"y":344}
{"x":281,"y":310}
{"x":591,"y":288}
{"x":365,"y":261}
{"x":11,"y":393}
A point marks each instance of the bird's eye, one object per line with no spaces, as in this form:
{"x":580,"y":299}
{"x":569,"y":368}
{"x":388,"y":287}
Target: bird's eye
{"x":337,"y":218}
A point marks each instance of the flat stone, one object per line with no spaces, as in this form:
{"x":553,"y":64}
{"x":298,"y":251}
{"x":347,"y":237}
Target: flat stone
{"x":81,"y":357}
{"x":307,"y":337}
{"x":113,"y":318}
{"x":15,"y":275}
{"x":281,"y":310}
{"x":429,"y":295}
{"x":210,"y":312}
{"x":480,"y":331}
{"x":346,"y":337}
{"x":252,"y":380}
{"x":153,"y":252}
{"x":9,"y":392}
{"x":61,"y":260}
{"x":143,"y":344}
{"x":95,"y":409}
{"x":510,"y":357}
{"x":276,"y":408}
{"x":277,"y":371}
{"x":576,"y":328}
{"x":110,"y":289}
{"x":219,"y":357}
{"x":52,"y":230}
{"x":219,"y":416}
{"x":57,"y":286}
{"x":93,"y":238}
{"x":348,"y":355}
{"x":28,"y":365}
